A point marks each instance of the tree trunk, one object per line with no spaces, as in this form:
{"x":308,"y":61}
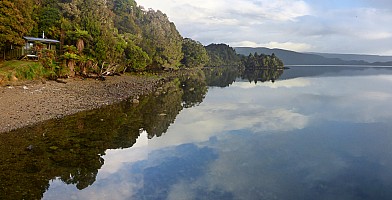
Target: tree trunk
{"x":62,"y":36}
{"x":80,"y":45}
{"x":71,"y":66}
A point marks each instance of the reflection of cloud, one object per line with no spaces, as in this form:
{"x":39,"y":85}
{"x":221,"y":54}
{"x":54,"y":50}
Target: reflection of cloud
{"x":116,"y":158}
{"x":313,"y":163}
{"x":145,"y":179}
{"x":350,"y":99}
{"x":209,"y":120}
{"x":323,"y":143}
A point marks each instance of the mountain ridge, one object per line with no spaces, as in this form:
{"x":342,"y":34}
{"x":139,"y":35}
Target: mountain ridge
{"x":365,"y":57}
{"x":298,"y":58}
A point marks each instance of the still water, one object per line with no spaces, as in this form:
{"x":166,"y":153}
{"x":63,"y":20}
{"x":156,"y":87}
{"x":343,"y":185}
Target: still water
{"x":305,"y":133}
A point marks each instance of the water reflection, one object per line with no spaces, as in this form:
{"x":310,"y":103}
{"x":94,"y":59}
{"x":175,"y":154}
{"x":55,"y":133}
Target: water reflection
{"x":262,"y":75}
{"x":72,"y":148}
{"x":225,"y":76}
{"x":324,"y":136}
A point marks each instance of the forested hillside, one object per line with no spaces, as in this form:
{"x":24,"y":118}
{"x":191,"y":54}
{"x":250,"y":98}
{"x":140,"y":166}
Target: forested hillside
{"x":96,"y":34}
{"x":222,"y":55}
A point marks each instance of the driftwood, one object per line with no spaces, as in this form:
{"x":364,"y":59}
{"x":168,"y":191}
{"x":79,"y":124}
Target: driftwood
{"x":60,"y":81}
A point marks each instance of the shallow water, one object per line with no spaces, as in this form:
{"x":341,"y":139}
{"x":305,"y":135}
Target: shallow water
{"x":313,"y":133}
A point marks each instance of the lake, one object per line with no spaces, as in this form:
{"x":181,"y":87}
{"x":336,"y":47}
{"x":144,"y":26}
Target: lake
{"x":308,"y":132}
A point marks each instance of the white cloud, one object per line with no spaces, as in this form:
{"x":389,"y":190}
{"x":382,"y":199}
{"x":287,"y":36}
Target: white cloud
{"x":280,"y":45}
{"x":289,"y":45}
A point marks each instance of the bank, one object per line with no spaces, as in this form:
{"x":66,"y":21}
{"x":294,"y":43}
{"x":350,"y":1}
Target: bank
{"x":29,"y":103}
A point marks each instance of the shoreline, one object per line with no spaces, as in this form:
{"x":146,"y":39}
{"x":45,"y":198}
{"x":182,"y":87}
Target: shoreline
{"x":31,"y":103}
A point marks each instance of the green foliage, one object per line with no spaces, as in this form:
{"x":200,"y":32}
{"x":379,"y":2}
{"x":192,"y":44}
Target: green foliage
{"x":126,"y":16}
{"x":135,"y":58}
{"x":114,"y":32}
{"x":31,"y":72}
{"x":222,"y":55}
{"x":12,"y":25}
{"x":78,"y":34}
{"x":255,"y":61}
{"x":195,"y":55}
{"x":27,"y":70}
{"x":161,"y":40}
{"x":49,"y":19}
{"x":70,"y":56}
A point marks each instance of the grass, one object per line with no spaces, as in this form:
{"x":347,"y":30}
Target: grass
{"x":11,"y":71}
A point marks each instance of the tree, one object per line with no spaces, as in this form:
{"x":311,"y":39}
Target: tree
{"x":222,"y":54}
{"x":135,"y":58}
{"x":70,"y":58}
{"x":161,"y":40}
{"x":49,"y":22}
{"x":79,"y":37}
{"x":195,"y":55}
{"x":255,"y":61}
{"x":12,"y":26}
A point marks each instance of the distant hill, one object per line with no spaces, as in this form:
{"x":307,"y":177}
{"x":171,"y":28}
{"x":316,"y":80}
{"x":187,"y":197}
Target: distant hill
{"x":296,"y":58}
{"x":348,"y":57}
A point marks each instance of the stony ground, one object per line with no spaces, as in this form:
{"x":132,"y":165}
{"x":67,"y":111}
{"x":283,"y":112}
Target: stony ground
{"x":30,"y":103}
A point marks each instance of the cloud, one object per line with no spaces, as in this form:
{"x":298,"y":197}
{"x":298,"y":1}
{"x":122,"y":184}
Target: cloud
{"x":335,"y":26}
{"x":280,"y":45}
{"x":289,"y":45}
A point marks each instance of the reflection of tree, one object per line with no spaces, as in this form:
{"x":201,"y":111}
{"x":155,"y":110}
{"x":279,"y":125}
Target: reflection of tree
{"x":195,"y":88}
{"x":224,"y":76}
{"x":186,"y":90}
{"x":163,"y":108}
{"x":72,"y":148}
{"x":221,"y":76}
{"x":262,"y":75}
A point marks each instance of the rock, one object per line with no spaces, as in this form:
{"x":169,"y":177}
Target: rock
{"x":61,"y":81}
{"x":13,"y":78}
{"x":30,"y":147}
{"x":135,"y":101}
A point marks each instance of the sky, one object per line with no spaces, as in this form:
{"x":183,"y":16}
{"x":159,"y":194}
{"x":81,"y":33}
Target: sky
{"x":333,"y":26}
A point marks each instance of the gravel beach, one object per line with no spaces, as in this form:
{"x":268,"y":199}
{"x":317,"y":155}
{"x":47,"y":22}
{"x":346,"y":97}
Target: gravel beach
{"x":30,"y":103}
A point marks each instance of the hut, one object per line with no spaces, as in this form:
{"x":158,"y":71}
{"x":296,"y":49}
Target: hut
{"x":31,"y":48}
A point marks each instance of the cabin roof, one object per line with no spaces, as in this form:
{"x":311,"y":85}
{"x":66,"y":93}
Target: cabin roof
{"x":43,"y":40}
